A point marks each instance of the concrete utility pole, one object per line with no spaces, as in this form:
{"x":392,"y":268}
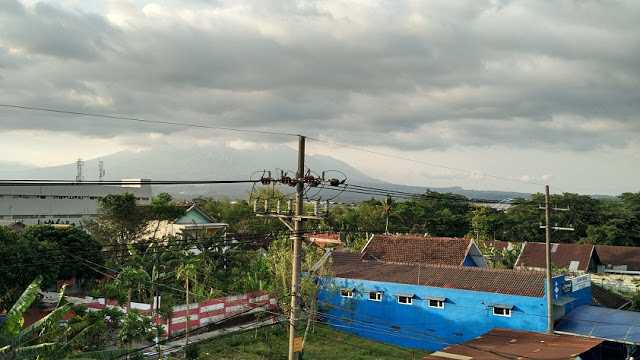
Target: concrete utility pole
{"x":297,"y":245}
{"x":547,"y":217}
{"x":550,"y":290}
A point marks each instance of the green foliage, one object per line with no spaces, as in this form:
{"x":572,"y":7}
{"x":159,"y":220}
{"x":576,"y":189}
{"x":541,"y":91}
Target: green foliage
{"x":135,"y":327}
{"x":44,"y":250}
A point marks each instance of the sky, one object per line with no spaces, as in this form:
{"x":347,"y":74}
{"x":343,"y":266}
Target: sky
{"x":497,"y":94}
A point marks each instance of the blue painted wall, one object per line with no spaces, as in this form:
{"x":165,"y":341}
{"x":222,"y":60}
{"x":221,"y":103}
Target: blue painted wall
{"x":466,"y":314}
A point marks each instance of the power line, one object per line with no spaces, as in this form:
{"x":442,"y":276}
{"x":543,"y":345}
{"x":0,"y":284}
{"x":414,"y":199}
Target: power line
{"x":146,"y":121}
{"x":45,"y":182}
{"x":447,"y":167}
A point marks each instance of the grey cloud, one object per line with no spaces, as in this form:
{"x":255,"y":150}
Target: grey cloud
{"x":486,"y":72}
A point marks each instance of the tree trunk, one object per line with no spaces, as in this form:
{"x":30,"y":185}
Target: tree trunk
{"x":186,"y":343}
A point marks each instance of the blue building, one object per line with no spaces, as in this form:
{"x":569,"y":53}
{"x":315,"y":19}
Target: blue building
{"x":429,"y":307}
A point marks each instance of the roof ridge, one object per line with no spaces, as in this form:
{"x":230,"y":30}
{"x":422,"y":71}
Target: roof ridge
{"x":444,"y":266}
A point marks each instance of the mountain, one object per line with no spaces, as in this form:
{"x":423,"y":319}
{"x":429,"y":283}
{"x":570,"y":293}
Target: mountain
{"x":217,"y":162}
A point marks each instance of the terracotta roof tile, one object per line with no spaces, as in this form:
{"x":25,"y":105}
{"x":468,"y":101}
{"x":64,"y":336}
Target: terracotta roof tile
{"x":416,"y":249}
{"x":514,"y":282}
{"x":533,"y":255}
{"x":619,"y":255}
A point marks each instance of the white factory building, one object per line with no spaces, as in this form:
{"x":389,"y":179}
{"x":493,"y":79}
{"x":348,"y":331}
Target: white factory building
{"x":55,"y":204}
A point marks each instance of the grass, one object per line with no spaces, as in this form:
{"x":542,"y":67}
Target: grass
{"x":323,"y":343}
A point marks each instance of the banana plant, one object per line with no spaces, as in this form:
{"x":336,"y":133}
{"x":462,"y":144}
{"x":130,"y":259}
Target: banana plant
{"x":18,"y":342}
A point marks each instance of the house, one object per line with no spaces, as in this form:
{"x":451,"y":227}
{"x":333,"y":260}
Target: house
{"x":509,"y":344}
{"x":573,"y":257}
{"x":416,"y":249}
{"x":430,"y":307}
{"x":618,"y":259}
{"x":195,"y":223}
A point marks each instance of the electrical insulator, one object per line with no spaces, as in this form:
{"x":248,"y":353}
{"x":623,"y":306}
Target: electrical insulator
{"x":278,"y":207}
{"x":255,"y":206}
{"x":326,"y":208}
{"x":266,"y":205}
{"x":334,"y":182}
{"x":290,"y":206}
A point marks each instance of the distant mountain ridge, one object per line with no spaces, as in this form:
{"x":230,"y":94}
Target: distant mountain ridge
{"x":217,"y":162}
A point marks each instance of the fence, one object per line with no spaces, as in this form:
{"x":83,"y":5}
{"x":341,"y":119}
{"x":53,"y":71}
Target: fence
{"x":199,"y":314}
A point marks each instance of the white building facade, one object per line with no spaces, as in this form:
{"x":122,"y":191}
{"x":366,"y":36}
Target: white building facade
{"x":51,"y":204}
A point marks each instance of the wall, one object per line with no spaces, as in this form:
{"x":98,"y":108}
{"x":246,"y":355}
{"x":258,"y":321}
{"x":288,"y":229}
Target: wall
{"x":34,"y":204}
{"x":466,"y":314}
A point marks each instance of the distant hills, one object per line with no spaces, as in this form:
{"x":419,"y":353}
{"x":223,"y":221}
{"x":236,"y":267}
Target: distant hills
{"x":217,"y":162}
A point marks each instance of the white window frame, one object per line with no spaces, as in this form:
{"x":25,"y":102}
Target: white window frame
{"x":439,"y":304}
{"x":346,"y":293}
{"x":506,"y":312}
{"x":377,"y":296}
{"x":409,"y":300}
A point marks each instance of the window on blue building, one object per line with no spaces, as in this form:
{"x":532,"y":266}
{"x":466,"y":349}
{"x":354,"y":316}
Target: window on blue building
{"x":436,"y":303}
{"x":348,"y":293}
{"x":405,"y":299}
{"x":502,"y":311}
{"x":375,"y":296}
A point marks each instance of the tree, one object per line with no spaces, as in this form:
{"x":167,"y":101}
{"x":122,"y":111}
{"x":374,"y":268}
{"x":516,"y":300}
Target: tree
{"x":120,"y":222}
{"x":163,"y":208}
{"x":186,"y":272}
{"x":130,"y":278}
{"x":134,"y":327}
{"x":68,"y":241}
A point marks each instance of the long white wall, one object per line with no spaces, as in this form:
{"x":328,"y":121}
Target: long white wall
{"x":59,"y":204}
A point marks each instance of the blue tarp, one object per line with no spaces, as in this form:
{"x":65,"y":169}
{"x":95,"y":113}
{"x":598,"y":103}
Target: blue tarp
{"x":604,"y":323}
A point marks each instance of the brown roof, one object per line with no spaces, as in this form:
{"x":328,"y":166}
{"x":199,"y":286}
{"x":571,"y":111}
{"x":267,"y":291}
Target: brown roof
{"x":498,"y":244}
{"x":509,"y":344}
{"x":502,"y":281}
{"x":619,"y":255}
{"x":325,"y":239}
{"x":416,"y":249}
{"x":533,"y":255}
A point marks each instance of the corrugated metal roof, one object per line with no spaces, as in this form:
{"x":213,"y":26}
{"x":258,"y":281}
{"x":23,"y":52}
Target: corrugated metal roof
{"x":502,"y":281}
{"x":509,"y":344}
{"x":603,"y":323}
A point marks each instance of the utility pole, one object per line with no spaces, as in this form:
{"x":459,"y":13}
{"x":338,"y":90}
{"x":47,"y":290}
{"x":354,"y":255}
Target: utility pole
{"x":294,"y":221}
{"x":298,"y":223}
{"x":547,"y":216}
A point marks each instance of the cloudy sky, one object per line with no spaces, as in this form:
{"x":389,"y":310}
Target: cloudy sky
{"x":514,"y":93}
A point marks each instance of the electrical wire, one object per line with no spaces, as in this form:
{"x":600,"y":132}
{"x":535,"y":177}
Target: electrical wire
{"x":146,"y":121}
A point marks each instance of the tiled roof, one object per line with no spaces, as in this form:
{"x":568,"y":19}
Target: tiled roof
{"x":533,"y":255}
{"x":416,"y":249}
{"x":514,"y":282}
{"x":619,"y":255}
{"x":509,"y":344}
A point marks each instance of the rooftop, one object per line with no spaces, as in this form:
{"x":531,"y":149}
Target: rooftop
{"x":562,"y":255}
{"x":513,"y":282}
{"x":416,"y":249}
{"x":509,"y":344}
{"x":619,"y":255}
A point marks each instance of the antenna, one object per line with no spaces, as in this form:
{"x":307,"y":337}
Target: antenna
{"x":101,"y":172}
{"x":79,"y":166}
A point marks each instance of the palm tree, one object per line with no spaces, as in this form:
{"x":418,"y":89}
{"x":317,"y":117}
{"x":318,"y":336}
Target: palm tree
{"x":130,"y":278}
{"x":387,"y":206}
{"x":186,"y":272}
